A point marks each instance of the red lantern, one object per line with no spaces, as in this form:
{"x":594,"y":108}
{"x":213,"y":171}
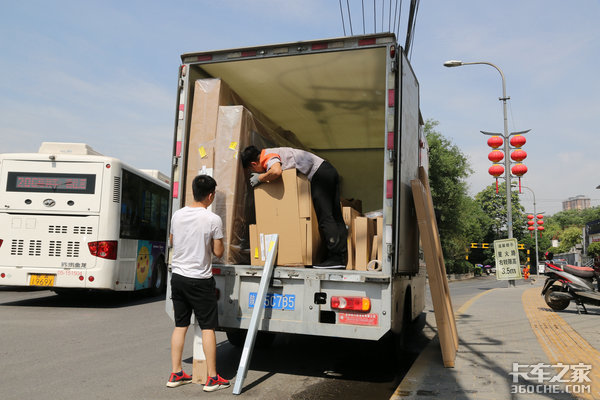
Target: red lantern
{"x":496,"y":170}
{"x":530,"y":222}
{"x":518,"y":155}
{"x":531,"y":229}
{"x":495,"y":156}
{"x":530,"y":216}
{"x":495,"y":141}
{"x":540,"y":216}
{"x":540,"y":228}
{"x":518,"y":141}
{"x":519,"y":170}
{"x":540,"y":222}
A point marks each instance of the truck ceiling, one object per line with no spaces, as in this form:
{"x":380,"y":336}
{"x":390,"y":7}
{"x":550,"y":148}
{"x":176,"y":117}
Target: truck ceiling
{"x":331,"y":99}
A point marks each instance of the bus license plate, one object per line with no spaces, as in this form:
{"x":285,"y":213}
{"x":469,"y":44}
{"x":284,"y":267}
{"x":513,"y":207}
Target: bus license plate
{"x":41,"y":280}
{"x":275,"y":301}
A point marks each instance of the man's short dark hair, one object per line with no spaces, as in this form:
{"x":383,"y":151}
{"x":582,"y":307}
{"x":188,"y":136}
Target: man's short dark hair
{"x":250,"y":154}
{"x":202,"y":186}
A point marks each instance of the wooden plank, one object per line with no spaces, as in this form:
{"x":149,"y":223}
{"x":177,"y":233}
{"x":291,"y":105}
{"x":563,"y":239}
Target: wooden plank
{"x":436,"y":269}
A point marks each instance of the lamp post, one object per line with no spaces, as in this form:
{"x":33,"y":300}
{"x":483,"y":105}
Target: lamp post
{"x":506,"y":136}
{"x":537,"y":259}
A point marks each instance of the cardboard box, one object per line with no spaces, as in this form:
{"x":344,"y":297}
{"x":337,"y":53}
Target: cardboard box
{"x":349,"y":214}
{"x":380,"y":239}
{"x":209,"y":94}
{"x":364,"y":231}
{"x":285,"y":207}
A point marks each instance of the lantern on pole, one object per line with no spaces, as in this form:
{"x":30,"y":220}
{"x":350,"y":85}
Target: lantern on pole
{"x":540,"y":223}
{"x":517,"y":141}
{"x":496,"y":171}
{"x":495,"y":156}
{"x":495,"y":141}
{"x":531,"y":229}
{"x":519,"y":170}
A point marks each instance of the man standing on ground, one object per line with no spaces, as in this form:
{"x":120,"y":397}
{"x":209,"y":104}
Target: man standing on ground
{"x":196,"y":232}
{"x":268,"y":164}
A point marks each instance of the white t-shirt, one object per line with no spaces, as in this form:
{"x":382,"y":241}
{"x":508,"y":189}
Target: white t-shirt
{"x":193,"y":230}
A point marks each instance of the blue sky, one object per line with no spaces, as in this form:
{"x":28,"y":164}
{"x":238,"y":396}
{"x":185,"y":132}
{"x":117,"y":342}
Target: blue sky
{"x":105,"y":73}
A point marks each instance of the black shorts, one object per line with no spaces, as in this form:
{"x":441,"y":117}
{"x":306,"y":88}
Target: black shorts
{"x":198,"y":295}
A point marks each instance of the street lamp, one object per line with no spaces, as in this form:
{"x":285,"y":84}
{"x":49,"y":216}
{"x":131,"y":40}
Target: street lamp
{"x":506,"y":136}
{"x":537,"y":257}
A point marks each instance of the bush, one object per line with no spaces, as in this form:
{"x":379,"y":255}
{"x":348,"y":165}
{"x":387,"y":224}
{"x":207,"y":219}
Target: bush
{"x":593,"y":249}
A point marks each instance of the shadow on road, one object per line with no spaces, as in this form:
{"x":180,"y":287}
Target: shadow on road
{"x":81,"y":299}
{"x":358,"y":369}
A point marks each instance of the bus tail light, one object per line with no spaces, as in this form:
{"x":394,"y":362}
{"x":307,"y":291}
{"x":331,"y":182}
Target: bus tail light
{"x":351,"y":303}
{"x":104,"y":249}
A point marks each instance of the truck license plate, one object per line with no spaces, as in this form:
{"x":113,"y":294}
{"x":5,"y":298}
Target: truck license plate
{"x":275,"y":301}
{"x":41,"y":280}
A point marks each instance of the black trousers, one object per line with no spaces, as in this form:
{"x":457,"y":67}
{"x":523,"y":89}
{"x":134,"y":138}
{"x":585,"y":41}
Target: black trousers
{"x":325,"y":192}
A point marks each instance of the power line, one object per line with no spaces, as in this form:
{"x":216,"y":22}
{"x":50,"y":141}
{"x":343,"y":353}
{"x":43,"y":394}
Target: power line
{"x":342,"y":14}
{"x":349,"y":17}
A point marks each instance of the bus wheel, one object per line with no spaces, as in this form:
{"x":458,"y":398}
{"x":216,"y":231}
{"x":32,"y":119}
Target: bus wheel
{"x":159,"y":278}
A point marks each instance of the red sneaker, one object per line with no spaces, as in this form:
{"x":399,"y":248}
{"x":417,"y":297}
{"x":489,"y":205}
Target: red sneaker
{"x":213,"y":384}
{"x":178,"y":379}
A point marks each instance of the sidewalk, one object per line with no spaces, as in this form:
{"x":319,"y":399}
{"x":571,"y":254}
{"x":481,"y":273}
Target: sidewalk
{"x":508,"y":332}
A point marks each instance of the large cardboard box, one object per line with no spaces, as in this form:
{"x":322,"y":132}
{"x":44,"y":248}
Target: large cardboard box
{"x":209,"y":94}
{"x":364,"y":231}
{"x":285,"y":207}
{"x":236,"y":127}
{"x":349,"y":214}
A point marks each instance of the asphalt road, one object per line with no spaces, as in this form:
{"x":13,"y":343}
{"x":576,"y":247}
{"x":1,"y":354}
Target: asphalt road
{"x":116,"y":346}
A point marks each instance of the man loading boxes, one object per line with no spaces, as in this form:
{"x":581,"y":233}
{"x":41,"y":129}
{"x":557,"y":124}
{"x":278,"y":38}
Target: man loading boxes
{"x":267,"y":165}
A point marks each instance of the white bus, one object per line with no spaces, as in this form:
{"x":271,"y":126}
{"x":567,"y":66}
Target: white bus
{"x":73,"y":218}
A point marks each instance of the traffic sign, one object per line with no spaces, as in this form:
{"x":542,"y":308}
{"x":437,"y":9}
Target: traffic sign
{"x":508,"y":266}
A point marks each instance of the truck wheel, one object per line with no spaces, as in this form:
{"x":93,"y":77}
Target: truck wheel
{"x":159,"y":277}
{"x":555,"y":304}
{"x":237,"y":338}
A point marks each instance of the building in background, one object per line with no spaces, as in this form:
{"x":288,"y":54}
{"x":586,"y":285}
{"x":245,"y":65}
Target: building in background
{"x":576,"y":203}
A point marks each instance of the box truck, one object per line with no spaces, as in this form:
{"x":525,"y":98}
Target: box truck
{"x":353,"y":101}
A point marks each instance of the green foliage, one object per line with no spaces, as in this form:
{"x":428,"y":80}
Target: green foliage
{"x":593,"y":249}
{"x":569,"y":238}
{"x":457,"y":215}
{"x":494,"y":207}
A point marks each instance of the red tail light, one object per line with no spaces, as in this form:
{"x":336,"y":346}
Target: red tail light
{"x":104,"y":249}
{"x":351,"y":303}
{"x":1,"y":241}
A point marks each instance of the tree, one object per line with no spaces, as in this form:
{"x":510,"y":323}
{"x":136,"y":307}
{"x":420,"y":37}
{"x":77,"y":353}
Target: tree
{"x":456,"y":213}
{"x":593,"y":250}
{"x":569,"y":238}
{"x":494,"y":206}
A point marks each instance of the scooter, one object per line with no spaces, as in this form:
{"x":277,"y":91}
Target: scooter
{"x":569,"y":282}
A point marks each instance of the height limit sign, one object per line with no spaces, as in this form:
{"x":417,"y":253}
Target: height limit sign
{"x":508,"y":266}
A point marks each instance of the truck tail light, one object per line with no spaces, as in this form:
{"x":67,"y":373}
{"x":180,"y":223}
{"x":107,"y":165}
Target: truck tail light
{"x":104,"y":249}
{"x":351,"y":303}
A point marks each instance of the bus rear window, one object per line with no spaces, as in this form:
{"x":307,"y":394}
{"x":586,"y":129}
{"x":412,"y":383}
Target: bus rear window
{"x":41,"y":182}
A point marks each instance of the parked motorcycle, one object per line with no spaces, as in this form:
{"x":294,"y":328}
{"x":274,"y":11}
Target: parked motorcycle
{"x":569,"y":282}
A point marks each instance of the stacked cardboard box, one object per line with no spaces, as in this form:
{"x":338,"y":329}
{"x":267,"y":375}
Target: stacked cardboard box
{"x":285,"y":207}
{"x":365,"y":239}
{"x":220,"y":127}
